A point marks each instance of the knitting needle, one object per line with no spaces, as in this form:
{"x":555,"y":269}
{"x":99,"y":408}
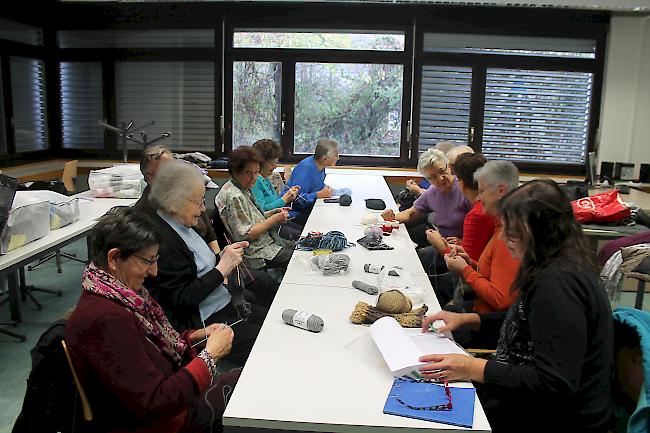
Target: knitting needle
{"x":244,"y":267}
{"x":206,"y":338}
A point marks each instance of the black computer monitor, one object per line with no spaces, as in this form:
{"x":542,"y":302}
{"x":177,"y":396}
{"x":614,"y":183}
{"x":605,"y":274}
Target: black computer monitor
{"x":590,"y":165}
{"x":8,"y":186}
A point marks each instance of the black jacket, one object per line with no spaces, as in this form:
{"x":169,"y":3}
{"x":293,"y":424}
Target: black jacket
{"x":176,"y":287}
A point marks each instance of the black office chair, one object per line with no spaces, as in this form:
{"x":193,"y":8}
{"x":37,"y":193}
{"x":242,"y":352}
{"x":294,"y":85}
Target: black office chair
{"x":12,"y":323}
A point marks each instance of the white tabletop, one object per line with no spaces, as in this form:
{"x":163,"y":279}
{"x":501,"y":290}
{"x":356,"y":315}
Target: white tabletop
{"x":334,"y":380}
{"x":90,"y":209}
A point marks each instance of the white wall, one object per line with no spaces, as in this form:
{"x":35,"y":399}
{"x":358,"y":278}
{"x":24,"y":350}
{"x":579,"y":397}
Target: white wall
{"x":625,"y":112}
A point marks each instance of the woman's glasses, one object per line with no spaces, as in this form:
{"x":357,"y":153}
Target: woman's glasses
{"x":446,"y":406}
{"x":198,"y":203}
{"x":148,"y":262}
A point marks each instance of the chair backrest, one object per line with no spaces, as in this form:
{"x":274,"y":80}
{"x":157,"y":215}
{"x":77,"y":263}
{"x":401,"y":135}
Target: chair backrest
{"x":288,"y":169}
{"x":88,"y":413}
{"x":69,"y":173}
{"x":220,"y":229}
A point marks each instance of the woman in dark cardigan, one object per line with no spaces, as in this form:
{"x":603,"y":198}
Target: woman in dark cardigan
{"x":191,"y":283}
{"x":554,"y":360}
{"x":139,"y":373}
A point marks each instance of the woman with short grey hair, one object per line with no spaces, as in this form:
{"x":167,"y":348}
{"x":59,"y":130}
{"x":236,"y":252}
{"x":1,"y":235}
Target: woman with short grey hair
{"x":443,"y":197}
{"x":192,"y":283}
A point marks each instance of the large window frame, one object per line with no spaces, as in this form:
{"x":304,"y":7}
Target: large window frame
{"x":480,"y":63}
{"x":290,"y":56}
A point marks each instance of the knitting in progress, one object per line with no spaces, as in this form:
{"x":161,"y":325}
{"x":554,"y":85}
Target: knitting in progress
{"x":333,"y":241}
{"x":330,"y":264}
{"x":391,"y":303}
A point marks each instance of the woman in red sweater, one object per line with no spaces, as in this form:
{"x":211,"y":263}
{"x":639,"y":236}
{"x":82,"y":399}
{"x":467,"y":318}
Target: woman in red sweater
{"x":493,"y":274}
{"x":140,"y":374}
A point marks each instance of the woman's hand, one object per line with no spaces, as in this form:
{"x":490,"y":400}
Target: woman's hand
{"x":231,"y":257}
{"x":453,"y":240}
{"x":455,"y":263}
{"x":326,"y":192}
{"x":452,"y":367}
{"x":413,"y":187}
{"x":220,"y":341}
{"x":388,"y":215}
{"x":452,"y":321}
{"x":457,"y":250}
{"x":291,"y":194}
{"x":436,"y":240}
{"x":200,"y":334}
{"x":280,"y":217}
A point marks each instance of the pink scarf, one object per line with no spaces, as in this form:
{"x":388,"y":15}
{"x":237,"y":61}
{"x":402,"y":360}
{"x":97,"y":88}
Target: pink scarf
{"x":146,"y":310}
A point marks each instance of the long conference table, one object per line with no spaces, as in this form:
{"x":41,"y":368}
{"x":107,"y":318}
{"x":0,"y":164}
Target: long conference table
{"x":90,"y":210}
{"x":335,"y":380}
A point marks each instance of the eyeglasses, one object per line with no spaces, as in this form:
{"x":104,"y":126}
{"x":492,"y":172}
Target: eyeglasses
{"x":198,"y":203}
{"x":441,"y":174}
{"x":147,"y":261}
{"x":446,"y":406}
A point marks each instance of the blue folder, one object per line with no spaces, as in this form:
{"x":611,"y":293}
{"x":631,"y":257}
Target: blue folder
{"x":425,"y":394}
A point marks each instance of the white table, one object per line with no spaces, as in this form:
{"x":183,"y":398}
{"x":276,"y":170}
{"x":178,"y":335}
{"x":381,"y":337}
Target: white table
{"x":329,"y":381}
{"x":90,"y":210}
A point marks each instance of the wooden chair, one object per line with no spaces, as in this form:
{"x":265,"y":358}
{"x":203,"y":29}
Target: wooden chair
{"x":87,"y":410}
{"x":69,"y":175}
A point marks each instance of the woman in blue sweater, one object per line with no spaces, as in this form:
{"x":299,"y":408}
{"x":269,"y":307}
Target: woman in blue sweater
{"x":265,"y":194}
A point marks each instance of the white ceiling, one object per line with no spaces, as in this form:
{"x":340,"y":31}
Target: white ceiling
{"x":638,"y":6}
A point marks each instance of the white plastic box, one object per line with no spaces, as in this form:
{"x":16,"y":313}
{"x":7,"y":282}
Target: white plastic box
{"x":29,"y":219}
{"x":64,"y":210}
{"x":120,"y":181}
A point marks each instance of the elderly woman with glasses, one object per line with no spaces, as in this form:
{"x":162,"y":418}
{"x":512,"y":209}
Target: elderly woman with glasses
{"x":443,"y":198}
{"x":245,"y":220}
{"x":554,"y":357}
{"x":192,"y":283}
{"x":150,"y":162}
{"x":140,"y":374}
{"x":264,"y":192}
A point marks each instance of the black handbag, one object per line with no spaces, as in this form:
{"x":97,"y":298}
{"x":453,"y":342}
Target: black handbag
{"x":375,"y":204}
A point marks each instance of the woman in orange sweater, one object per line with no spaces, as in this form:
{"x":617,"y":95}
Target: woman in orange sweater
{"x":492,"y":276}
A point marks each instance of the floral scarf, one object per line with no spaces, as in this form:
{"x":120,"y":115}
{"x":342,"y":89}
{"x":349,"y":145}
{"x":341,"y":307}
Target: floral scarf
{"x":146,"y":310}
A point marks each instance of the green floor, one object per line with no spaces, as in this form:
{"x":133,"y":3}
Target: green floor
{"x":15,"y":361}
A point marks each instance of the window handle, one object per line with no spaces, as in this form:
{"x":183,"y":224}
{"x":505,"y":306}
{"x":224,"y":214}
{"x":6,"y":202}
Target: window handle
{"x":282,"y":127}
{"x":471,"y":134}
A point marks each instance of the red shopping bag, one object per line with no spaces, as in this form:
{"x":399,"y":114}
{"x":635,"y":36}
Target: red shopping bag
{"x":607,"y":207}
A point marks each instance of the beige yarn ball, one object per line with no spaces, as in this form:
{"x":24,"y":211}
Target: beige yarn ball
{"x":394,"y":302}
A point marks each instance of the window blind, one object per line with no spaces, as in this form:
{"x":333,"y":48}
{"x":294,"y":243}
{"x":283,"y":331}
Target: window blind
{"x":444,"y":105}
{"x":81,"y":105}
{"x":17,"y":32}
{"x":170,"y":38}
{"x":178,"y":96}
{"x":536,"y":116}
{"x":29,"y":104}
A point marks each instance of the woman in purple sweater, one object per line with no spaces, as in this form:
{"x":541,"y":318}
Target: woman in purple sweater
{"x":140,"y":374}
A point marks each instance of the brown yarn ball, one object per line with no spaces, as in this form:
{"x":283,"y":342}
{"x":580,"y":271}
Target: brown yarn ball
{"x":394,"y":302}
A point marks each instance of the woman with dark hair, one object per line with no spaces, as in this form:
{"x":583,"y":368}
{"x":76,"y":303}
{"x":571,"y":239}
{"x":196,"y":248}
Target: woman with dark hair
{"x":554,"y":358}
{"x":245,"y":220}
{"x":140,"y":374}
{"x":265,"y":194}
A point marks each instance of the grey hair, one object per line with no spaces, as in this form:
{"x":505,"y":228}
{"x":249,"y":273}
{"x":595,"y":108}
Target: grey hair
{"x":457,"y":151}
{"x":445,"y":146}
{"x":325,"y":147}
{"x":152,"y":153}
{"x":173,"y":180}
{"x":498,"y":172}
{"x":430,"y":157}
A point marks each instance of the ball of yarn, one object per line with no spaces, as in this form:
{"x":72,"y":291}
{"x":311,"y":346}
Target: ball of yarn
{"x":394,"y":302}
{"x":372,"y":232}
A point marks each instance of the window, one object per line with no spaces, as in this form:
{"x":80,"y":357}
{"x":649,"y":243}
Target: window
{"x":536,"y":116}
{"x":3,"y":132}
{"x":445,"y":105}
{"x":81,"y":105}
{"x":257,"y":93}
{"x":29,"y":106}
{"x":357,"y":104}
{"x":319,"y":40}
{"x":537,"y":112}
{"x":177,"y":96}
{"x":299,"y":86}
